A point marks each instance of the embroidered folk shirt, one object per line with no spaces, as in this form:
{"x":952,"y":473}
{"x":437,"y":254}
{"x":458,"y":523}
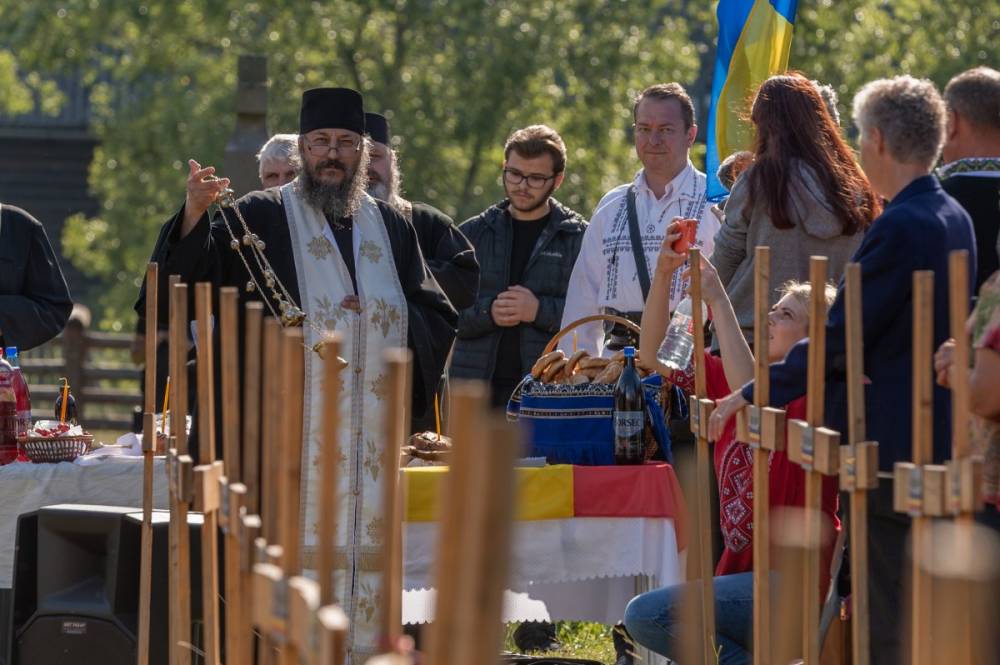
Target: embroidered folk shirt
{"x":605,"y":274}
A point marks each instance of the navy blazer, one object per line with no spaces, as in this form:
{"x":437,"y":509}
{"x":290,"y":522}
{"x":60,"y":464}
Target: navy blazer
{"x":34,"y":300}
{"x":916,"y":231}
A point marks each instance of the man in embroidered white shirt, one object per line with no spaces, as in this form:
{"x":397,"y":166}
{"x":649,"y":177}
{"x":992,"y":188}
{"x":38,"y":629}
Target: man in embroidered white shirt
{"x":605,"y":278}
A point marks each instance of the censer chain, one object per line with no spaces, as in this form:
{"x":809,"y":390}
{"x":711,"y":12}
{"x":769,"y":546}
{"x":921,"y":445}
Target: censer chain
{"x":290,"y":313}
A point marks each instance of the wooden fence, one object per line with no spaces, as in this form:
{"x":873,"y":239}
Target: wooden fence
{"x":103,"y":378}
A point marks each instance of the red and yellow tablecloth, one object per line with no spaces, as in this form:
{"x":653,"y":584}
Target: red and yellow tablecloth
{"x":564,"y":491}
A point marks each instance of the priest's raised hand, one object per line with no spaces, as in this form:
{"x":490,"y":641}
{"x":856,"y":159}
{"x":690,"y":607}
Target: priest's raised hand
{"x":202,"y":191}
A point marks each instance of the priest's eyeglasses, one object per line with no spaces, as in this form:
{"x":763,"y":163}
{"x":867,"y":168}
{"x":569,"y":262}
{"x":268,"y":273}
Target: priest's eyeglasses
{"x":535,"y":181}
{"x":321,"y":147}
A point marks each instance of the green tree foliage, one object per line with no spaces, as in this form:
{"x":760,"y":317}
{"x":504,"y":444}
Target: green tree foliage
{"x":20,"y":90}
{"x":454,"y":76}
{"x":850,"y":43}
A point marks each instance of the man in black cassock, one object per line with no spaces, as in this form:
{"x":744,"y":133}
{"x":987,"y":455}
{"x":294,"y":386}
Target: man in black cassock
{"x":449,"y":254}
{"x":34,"y":300}
{"x":352,"y":264}
{"x":198,"y":251}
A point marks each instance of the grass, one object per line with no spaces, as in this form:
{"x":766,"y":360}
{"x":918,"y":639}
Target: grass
{"x":579,"y":639}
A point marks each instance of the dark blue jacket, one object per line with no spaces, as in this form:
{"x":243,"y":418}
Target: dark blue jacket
{"x":916,"y":231}
{"x":546,"y":275}
{"x":34,"y":300}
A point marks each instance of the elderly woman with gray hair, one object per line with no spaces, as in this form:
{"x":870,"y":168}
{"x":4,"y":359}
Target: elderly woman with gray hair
{"x":279,"y":160}
{"x":901,"y":123}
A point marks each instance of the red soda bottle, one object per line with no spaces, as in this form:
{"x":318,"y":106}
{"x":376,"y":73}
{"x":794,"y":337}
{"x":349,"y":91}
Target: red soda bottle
{"x":21,"y":392}
{"x":8,"y":414}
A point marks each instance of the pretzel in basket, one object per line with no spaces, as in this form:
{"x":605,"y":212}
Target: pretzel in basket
{"x":555,"y":371}
{"x":580,"y":368}
{"x":575,"y":359}
{"x":543,"y":363}
{"x":593,"y":364}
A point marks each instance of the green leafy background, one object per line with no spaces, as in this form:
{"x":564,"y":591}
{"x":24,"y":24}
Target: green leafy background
{"x":455,"y":77}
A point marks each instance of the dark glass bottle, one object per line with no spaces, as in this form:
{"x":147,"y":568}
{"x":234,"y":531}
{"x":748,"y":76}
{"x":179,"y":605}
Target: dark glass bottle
{"x":629,"y":413}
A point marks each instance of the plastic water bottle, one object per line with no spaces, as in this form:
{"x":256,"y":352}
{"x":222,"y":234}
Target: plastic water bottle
{"x":8,"y":414}
{"x":678,"y":343}
{"x":20,"y":392}
{"x":629,"y":413}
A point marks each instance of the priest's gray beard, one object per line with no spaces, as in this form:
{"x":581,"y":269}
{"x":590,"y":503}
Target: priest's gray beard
{"x":390,"y":192}
{"x":340,"y":200}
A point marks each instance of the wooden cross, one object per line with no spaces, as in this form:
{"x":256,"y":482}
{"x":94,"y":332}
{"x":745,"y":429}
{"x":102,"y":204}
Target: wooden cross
{"x":271,"y":580}
{"x":963,"y":563}
{"x":961,"y":630}
{"x":232,"y":510}
{"x":316,"y":626}
{"x":965,"y":470}
{"x":920,"y":486}
{"x":265,"y":551}
{"x":817,"y":450}
{"x":244,"y":521}
{"x":148,"y":446}
{"x":232,"y":493}
{"x":477,"y":506}
{"x":180,"y":481}
{"x":249,"y":532}
{"x":396,"y":425}
{"x":206,"y":476}
{"x":266,"y":576}
{"x":763,"y":428}
{"x":270,"y":429}
{"x":329,"y":472}
{"x":858,"y":464}
{"x":253,"y":320}
{"x":700,"y":411}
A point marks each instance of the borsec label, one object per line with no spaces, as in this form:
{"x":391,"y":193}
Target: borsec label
{"x":628,"y":423}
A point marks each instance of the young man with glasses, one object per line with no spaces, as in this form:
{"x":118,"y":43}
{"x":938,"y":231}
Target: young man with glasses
{"x":526,"y":246}
{"x":606,"y":278}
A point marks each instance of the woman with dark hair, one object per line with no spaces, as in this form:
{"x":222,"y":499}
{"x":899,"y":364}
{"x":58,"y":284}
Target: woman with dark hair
{"x":804,"y":195}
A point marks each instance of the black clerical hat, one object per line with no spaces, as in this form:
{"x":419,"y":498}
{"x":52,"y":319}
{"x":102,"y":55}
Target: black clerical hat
{"x":378,"y":128}
{"x":332,"y":108}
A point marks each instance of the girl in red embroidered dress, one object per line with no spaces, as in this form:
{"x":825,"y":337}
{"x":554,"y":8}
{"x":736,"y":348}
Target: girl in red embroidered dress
{"x":654,"y":619}
{"x":787,"y":324}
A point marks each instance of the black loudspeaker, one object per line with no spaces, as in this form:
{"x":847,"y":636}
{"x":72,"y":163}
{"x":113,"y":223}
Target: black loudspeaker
{"x":76,"y":586}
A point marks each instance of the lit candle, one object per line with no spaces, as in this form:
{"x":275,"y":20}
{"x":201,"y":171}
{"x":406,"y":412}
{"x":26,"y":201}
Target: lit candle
{"x":437,"y":415}
{"x":65,"y":400}
{"x":166,"y":403}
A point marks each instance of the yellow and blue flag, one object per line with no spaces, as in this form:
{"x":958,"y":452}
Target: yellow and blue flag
{"x":755,"y":37}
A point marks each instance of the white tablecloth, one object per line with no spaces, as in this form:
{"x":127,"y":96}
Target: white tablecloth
{"x":582,"y":568}
{"x":26,"y":487}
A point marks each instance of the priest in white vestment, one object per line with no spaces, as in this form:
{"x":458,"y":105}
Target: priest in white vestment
{"x":354,"y":265}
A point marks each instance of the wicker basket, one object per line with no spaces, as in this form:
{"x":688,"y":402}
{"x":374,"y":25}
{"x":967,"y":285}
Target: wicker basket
{"x":650,"y":438}
{"x":551,"y":346}
{"x":55,"y":449}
